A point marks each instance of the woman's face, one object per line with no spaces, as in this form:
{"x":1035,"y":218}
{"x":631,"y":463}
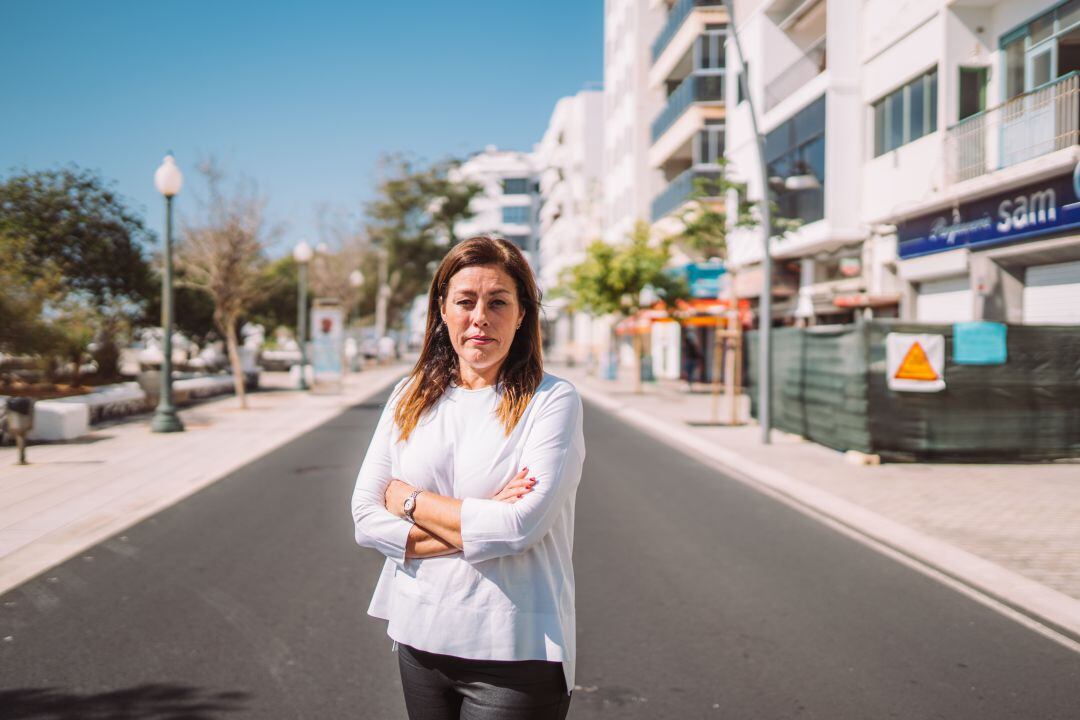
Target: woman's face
{"x":482,"y":313}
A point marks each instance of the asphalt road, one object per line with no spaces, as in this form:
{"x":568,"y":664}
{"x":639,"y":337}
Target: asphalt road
{"x":697,"y":598}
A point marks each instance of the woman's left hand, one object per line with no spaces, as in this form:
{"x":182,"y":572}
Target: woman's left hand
{"x":396,"y":492}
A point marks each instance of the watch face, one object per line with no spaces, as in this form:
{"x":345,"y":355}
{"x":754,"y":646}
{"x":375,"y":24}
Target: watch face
{"x":409,"y":503}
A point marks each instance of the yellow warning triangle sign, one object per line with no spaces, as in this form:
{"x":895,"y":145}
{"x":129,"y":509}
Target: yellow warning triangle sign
{"x":915,"y":365}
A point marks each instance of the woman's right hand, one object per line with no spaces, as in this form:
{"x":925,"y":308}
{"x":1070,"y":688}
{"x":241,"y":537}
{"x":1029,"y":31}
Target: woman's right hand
{"x":518,"y":486}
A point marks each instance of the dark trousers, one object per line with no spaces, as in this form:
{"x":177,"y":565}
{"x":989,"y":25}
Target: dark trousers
{"x":444,"y":687}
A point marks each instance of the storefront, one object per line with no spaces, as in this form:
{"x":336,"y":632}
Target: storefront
{"x":1013,"y":256}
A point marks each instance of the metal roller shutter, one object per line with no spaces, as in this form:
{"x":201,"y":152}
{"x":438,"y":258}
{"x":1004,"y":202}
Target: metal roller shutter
{"x":945,"y":301}
{"x":1052,"y":294}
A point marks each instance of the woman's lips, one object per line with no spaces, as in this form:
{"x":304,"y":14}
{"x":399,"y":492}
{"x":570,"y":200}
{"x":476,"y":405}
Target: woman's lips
{"x":480,"y":340}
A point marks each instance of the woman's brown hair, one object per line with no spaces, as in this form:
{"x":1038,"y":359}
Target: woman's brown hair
{"x":437,"y":369}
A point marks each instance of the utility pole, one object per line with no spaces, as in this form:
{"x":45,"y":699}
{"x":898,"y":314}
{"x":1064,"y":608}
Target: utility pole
{"x":765,"y":306}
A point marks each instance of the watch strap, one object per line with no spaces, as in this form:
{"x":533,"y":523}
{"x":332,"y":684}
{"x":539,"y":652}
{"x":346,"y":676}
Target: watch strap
{"x":410,"y":505}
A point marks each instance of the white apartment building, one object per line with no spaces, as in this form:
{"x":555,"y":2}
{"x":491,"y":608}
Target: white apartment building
{"x":630,"y":105}
{"x":972,"y":113}
{"x":570,"y":163}
{"x":804,"y":73}
{"x":943,"y":135}
{"x":510,"y":201}
{"x":688,"y":71}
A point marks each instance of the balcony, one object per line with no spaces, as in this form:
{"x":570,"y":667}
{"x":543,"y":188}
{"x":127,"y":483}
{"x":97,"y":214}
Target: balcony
{"x":694,"y":89}
{"x":811,"y":64}
{"x":678,"y":191}
{"x":678,"y":14}
{"x":1029,"y":125}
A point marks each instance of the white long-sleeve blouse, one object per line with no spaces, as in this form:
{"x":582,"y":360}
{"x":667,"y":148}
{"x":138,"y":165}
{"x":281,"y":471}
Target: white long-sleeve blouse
{"x":509,"y":595}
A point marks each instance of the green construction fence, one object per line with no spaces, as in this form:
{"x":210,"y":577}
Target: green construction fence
{"x":829,"y":385}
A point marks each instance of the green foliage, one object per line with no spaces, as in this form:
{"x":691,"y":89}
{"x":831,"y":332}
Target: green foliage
{"x":280,"y":290}
{"x":69,"y":221}
{"x":612,"y":277}
{"x":72,"y":267}
{"x":412,"y":219}
{"x":705,"y":220}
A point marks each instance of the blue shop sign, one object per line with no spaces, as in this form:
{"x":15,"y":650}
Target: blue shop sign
{"x":980,"y":343}
{"x":1048,"y":206}
{"x":704,"y":279}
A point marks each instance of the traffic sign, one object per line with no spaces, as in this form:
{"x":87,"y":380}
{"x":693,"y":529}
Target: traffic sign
{"x":915,"y":363}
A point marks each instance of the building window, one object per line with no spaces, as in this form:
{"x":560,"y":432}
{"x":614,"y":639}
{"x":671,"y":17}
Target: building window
{"x":516,"y":186}
{"x":522,"y":241}
{"x":709,"y":147}
{"x":906,"y":113}
{"x":709,"y":50}
{"x":972,"y":91}
{"x":515,"y":214}
{"x":1042,"y":50}
{"x":797,"y":147}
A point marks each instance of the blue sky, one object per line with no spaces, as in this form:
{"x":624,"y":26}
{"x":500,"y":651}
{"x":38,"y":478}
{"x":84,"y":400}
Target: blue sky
{"x":302,"y":97}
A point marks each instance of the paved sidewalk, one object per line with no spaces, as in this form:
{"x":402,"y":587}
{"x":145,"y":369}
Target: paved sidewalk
{"x":73,"y":495}
{"x":1010,"y":531}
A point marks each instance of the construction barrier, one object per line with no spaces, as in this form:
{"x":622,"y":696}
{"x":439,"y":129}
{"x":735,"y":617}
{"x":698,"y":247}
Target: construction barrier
{"x":908,"y":391}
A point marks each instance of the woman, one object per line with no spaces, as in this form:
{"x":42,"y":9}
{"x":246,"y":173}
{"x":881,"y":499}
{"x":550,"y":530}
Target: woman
{"x":468,"y":489}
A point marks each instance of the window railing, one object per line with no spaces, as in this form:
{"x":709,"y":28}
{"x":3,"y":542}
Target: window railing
{"x":811,"y":64}
{"x":1033,"y":124}
{"x":678,"y":191}
{"x":675,"y":19}
{"x":694,"y":89}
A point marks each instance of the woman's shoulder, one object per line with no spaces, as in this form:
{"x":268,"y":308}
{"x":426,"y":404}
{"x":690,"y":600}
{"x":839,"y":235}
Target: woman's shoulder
{"x":553,"y":388}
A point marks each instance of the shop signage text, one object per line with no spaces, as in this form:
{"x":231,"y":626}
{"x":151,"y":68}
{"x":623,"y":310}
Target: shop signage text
{"x":1037,"y":209}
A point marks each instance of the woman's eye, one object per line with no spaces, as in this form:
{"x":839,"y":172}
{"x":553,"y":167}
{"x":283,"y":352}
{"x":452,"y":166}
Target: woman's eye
{"x":498,"y":302}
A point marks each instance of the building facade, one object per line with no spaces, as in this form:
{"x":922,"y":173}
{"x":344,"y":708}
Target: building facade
{"x":570,"y":162}
{"x":927,"y":150}
{"x":972,"y":111}
{"x":630,"y":104}
{"x":688,"y":70}
{"x":803,"y":71}
{"x":509,"y":203}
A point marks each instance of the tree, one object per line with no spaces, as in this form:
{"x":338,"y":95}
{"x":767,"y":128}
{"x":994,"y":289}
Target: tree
{"x":704,"y":232}
{"x":705,"y":220}
{"x":24,"y":295}
{"x":80,"y":266}
{"x":412,"y":220}
{"x":611,"y":278}
{"x":224,"y":255}
{"x":276,"y":305}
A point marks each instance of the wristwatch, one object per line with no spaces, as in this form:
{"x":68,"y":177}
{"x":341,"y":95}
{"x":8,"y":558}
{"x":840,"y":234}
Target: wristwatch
{"x":410,"y":505}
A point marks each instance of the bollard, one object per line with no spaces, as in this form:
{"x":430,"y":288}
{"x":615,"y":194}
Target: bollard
{"x":20,"y":420}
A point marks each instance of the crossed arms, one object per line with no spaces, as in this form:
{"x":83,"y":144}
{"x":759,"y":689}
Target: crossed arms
{"x":513,"y":520}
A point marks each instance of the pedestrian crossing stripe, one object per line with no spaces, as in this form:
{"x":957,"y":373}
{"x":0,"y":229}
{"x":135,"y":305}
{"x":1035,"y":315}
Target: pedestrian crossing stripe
{"x":915,"y":365}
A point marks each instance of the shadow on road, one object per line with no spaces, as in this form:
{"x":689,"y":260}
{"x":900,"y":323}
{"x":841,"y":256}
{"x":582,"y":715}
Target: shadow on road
{"x":143,"y":702}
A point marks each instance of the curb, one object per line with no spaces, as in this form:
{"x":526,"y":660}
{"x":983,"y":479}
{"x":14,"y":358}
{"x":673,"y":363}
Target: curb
{"x":1058,"y":613}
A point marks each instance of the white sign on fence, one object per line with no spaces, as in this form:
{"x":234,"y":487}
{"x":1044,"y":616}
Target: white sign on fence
{"x":915,"y":363}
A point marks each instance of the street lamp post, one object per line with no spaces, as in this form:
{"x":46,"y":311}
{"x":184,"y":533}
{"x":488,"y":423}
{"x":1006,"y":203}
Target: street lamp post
{"x":302,"y":254}
{"x":168,"y":181}
{"x":356,"y":281}
{"x":765,"y":307}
